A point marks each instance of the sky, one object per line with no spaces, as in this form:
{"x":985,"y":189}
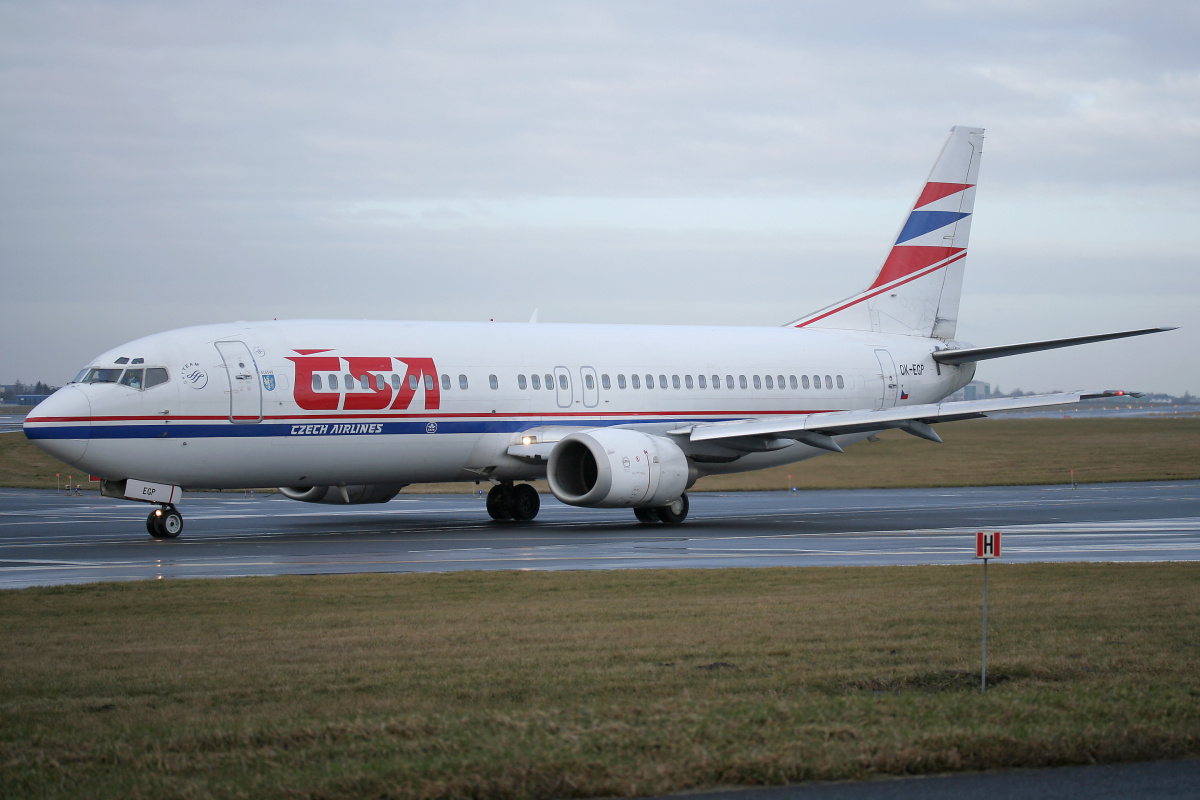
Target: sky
{"x":165,"y":164}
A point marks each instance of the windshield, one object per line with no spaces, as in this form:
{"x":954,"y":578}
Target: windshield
{"x":137,"y":378}
{"x":102,"y":375}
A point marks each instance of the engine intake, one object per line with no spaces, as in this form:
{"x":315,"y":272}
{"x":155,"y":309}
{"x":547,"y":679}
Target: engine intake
{"x":342,"y":495}
{"x":617,"y":468}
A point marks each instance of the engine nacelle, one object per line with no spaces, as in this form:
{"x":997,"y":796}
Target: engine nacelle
{"x":342,"y":495}
{"x":617,"y":468}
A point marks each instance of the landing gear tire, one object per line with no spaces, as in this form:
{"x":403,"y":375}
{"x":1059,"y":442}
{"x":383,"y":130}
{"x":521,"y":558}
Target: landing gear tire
{"x":165,"y":523}
{"x":525,"y":502}
{"x":674,"y":512}
{"x":646,"y":515}
{"x":500,"y":502}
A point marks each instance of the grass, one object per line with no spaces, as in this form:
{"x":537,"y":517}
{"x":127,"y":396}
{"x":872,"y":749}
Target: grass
{"x":976,"y":453}
{"x":540,"y":685}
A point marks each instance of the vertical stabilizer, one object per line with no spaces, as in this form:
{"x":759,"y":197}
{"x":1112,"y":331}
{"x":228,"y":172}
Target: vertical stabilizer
{"x":917,"y":289}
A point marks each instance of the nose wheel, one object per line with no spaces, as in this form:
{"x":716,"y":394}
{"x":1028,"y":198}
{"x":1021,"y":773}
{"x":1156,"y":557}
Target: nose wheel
{"x":164,"y":523}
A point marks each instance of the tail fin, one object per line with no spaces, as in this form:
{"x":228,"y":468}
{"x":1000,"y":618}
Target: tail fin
{"x":917,"y":289}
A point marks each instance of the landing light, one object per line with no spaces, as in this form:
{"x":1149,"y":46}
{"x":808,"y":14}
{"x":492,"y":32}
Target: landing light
{"x":528,"y":440}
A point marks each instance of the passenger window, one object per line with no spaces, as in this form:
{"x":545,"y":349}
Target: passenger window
{"x":816,"y":381}
{"x":729,"y":381}
{"x":363,"y":382}
{"x":157,"y":375}
{"x":621,"y":381}
{"x":674,"y":380}
{"x":132,"y":378}
{"x":429,"y":384}
{"x":589,"y":381}
{"x":793,"y":379}
{"x":637,"y":382}
{"x":395,"y":382}
{"x":703,"y":382}
{"x":462,"y":382}
{"x":840,"y":384}
{"x":316,"y":382}
{"x":716,"y":379}
{"x":828,"y":382}
{"x":804,"y":379}
{"x":662,"y":381}
{"x":333,"y":383}
{"x":757,"y":383}
{"x":349,"y":381}
{"x":446,"y":382}
{"x":770,"y":383}
{"x":649,"y":381}
{"x":550,"y":382}
{"x":780,"y":379}
{"x":412,"y":382}
{"x":605,"y":382}
{"x":521,"y":382}
{"x":562,"y":381}
{"x":742,"y":381}
{"x":493,"y":382}
{"x":687,"y":380}
{"x":535,"y":381}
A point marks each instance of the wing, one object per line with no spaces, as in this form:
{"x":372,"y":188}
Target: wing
{"x":818,"y":430}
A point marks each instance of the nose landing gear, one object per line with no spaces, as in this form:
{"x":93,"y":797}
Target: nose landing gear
{"x":165,"y":522}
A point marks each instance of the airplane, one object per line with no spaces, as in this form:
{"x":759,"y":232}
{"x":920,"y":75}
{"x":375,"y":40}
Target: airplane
{"x":626,"y":416}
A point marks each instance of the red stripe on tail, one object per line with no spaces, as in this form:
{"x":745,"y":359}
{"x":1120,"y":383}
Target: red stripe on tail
{"x":907,"y":259}
{"x":936,"y":191}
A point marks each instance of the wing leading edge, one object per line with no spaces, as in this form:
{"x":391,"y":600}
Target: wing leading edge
{"x":818,"y":430}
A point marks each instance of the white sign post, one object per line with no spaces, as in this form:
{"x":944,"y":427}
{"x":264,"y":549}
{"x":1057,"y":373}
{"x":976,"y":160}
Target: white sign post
{"x":987,"y":545}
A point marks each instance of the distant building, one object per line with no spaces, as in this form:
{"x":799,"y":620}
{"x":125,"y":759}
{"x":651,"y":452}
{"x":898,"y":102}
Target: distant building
{"x":975,"y":390}
{"x":30,"y":399}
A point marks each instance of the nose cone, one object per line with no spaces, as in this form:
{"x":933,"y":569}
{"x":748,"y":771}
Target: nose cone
{"x":61,"y":424}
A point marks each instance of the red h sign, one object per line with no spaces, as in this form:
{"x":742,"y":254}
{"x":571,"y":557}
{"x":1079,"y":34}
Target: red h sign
{"x":987,"y":545}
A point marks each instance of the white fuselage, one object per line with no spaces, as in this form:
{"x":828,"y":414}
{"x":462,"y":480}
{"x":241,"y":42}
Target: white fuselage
{"x":268,"y":403}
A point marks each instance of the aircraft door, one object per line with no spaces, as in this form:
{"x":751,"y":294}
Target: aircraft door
{"x":245,"y":385}
{"x":591,"y":387}
{"x":562,"y":387}
{"x":890,"y":386}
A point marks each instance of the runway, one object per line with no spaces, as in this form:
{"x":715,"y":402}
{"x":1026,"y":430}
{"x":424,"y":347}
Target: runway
{"x":48,"y":539}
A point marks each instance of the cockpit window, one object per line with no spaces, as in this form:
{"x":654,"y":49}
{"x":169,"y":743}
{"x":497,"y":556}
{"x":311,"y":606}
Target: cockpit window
{"x":133,"y":378}
{"x":102,"y":375}
{"x":155,"y":376}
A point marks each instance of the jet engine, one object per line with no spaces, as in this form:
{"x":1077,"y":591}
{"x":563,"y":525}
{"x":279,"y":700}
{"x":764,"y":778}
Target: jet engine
{"x":342,"y":495}
{"x":617,"y":468}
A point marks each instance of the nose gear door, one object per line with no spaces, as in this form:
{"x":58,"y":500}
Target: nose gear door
{"x":245,"y":385}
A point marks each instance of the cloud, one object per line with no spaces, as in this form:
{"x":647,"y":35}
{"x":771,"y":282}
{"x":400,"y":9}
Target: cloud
{"x":169,"y":163}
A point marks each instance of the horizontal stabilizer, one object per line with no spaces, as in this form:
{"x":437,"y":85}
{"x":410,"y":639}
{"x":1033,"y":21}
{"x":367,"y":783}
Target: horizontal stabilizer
{"x":983,"y":353}
{"x":911,"y":419}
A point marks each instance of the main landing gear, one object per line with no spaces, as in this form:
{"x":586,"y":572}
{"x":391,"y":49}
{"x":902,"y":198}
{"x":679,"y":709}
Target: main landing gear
{"x":165,"y":522}
{"x":672,"y":513}
{"x":520,"y":502}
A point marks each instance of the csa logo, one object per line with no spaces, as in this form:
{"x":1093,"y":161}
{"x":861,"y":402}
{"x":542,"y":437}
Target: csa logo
{"x":269,"y":382}
{"x":194,"y":375}
{"x":431,"y":427}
